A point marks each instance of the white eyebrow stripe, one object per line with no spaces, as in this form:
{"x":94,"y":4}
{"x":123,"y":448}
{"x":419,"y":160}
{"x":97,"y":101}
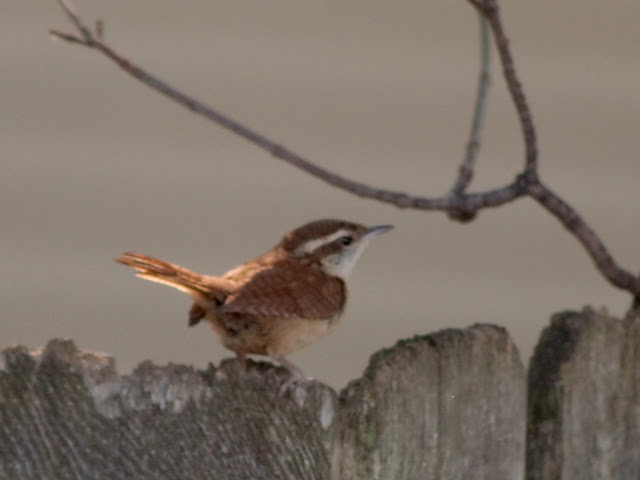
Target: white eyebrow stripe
{"x":312,"y":245}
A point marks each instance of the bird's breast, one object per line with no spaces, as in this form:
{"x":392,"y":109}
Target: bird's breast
{"x":292,"y":334}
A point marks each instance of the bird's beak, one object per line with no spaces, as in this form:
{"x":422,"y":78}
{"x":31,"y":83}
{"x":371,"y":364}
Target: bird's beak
{"x":377,"y":230}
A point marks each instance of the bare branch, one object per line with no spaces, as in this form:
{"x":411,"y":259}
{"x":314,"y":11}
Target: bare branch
{"x":464,"y":203}
{"x":633,"y":312}
{"x":586,"y":236}
{"x":459,"y":205}
{"x":492,"y":14}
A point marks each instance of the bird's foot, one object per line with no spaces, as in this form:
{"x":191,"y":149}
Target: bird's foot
{"x":294,"y":378}
{"x":295,"y":374}
{"x":241,"y":359}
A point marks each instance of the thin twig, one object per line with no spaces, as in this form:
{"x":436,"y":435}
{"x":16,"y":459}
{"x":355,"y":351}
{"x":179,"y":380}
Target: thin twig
{"x":70,"y":10}
{"x":527,"y":183}
{"x":465,"y":172}
{"x":67,"y":37}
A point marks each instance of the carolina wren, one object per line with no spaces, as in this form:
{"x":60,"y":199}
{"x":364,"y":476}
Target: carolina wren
{"x":279,"y":302}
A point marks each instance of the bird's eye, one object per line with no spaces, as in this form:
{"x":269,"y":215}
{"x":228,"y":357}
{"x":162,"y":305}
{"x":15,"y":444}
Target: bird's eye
{"x":346,"y":240}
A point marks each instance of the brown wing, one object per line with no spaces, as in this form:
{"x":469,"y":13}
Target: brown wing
{"x":289,"y":291}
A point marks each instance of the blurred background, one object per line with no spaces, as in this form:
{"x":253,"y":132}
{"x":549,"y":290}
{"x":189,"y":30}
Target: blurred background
{"x":92,"y":164}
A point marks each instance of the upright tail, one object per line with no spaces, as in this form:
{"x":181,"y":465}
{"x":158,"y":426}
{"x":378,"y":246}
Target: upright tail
{"x":199,"y":287}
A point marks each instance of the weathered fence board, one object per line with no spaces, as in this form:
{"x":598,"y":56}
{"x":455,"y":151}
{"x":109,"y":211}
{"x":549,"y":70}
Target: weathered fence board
{"x":66,"y":414}
{"x":584,"y":399}
{"x":448,"y":405}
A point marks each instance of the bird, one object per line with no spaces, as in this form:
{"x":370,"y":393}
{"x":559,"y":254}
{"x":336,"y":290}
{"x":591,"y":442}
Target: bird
{"x":279,"y":302}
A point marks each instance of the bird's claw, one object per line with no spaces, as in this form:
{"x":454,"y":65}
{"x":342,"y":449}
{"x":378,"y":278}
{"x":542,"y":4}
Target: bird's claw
{"x":294,"y":378}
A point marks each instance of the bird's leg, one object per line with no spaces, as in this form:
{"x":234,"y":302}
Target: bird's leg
{"x":241,"y":358}
{"x":295,"y":375}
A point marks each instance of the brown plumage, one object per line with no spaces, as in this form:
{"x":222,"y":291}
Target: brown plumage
{"x":278,"y":302}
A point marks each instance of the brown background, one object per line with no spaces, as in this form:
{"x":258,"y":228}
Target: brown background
{"x":93,"y":164}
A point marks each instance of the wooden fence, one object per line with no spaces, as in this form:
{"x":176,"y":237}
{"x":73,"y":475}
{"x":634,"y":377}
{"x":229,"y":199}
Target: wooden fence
{"x":451,"y":405}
